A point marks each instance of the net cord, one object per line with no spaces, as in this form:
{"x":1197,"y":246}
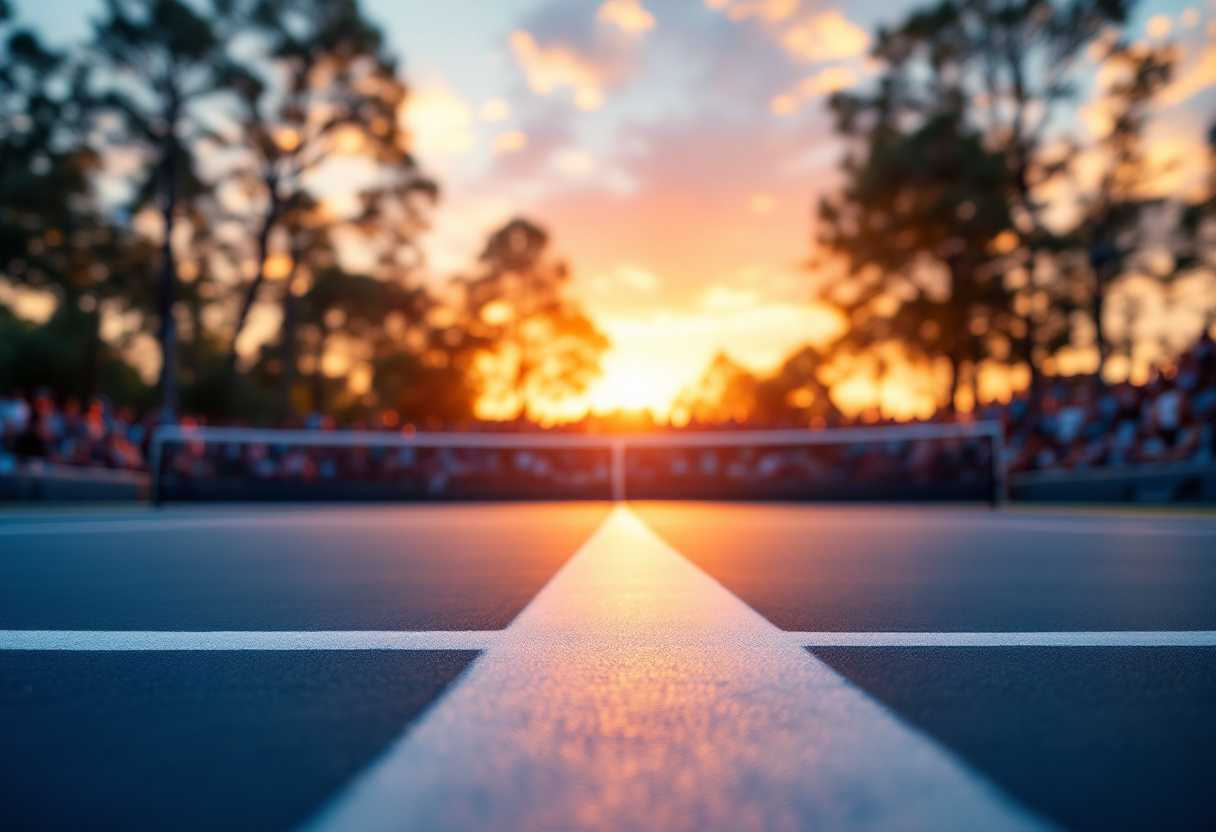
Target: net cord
{"x":617,"y":444}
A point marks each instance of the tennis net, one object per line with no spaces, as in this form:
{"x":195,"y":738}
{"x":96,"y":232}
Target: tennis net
{"x":954,"y":462}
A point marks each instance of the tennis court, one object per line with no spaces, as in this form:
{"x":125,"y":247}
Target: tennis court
{"x":675,"y":665}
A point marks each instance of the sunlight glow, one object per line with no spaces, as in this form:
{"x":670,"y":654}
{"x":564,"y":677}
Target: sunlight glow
{"x":632,"y":386}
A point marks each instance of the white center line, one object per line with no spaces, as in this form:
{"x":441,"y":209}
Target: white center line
{"x":246,"y":640}
{"x":1147,"y":638}
{"x":635,"y":692}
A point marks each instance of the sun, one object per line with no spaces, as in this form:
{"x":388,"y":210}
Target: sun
{"x":633,"y":385}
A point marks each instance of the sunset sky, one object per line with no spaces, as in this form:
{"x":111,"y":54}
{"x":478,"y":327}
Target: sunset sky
{"x":675,"y":149}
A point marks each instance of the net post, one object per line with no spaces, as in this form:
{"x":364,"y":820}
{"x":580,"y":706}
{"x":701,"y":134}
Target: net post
{"x":1000,"y":480}
{"x":156,"y":449}
{"x":618,"y":471}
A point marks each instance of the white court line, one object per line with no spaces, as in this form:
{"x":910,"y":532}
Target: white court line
{"x":118,"y":640}
{"x":325,"y":517}
{"x":241,"y":640}
{"x":1164,"y":638}
{"x":159,"y":524}
{"x":635,"y":692}
{"x":903,"y":519}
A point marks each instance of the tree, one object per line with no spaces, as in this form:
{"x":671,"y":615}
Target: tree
{"x":161,"y":59}
{"x":1109,"y":225}
{"x":54,"y":236}
{"x":65,"y":355}
{"x":539,"y":346}
{"x":922,"y":224}
{"x":978,"y":86}
{"x":795,"y":395}
{"x":1021,"y":58}
{"x":1197,"y":227}
{"x":725,"y":393}
{"x":323,"y":86}
{"x":368,"y":315}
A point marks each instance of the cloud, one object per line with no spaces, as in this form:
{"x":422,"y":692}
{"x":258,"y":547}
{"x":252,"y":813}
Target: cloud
{"x":551,"y":67}
{"x":627,"y":15}
{"x":827,"y":36}
{"x":496,"y":109}
{"x":574,"y":162}
{"x":810,"y":36}
{"x":829,"y":80}
{"x":771,"y":11}
{"x":722,"y":298}
{"x":627,"y":276}
{"x":511,"y":141}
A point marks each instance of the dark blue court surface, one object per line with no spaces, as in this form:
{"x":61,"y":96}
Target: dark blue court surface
{"x":199,"y":740}
{"x":932,"y":569}
{"x":1110,"y":738}
{"x":1097,"y":739}
{"x":325,"y":568}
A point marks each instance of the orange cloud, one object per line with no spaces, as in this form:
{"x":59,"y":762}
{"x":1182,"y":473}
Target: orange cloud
{"x":829,"y":80}
{"x":771,"y":11}
{"x":627,"y":15}
{"x":811,"y":36}
{"x":827,"y":36}
{"x":551,"y":67}
{"x":510,"y":142}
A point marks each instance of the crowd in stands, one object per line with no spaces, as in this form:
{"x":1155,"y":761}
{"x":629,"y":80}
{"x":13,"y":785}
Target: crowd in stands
{"x":1071,"y":422}
{"x":94,"y":433}
{"x":1078,"y":424}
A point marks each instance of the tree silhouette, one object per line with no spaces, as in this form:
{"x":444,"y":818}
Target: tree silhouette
{"x":161,"y":59}
{"x":541,"y":348}
{"x":919,"y":224}
{"x":974,"y":89}
{"x":1112,"y":217}
{"x":54,"y":236}
{"x":323,"y":86}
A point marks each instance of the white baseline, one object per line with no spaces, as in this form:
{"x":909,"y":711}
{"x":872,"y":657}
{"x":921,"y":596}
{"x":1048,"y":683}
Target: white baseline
{"x":119,"y":640}
{"x":1146,"y":638}
{"x":246,"y":640}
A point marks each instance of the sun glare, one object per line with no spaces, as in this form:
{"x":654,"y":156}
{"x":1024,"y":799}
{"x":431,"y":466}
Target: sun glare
{"x":632,"y":386}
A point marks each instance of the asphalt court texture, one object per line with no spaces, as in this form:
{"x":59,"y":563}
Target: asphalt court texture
{"x":198,"y":740}
{"x":318,"y":568}
{"x":932,"y":569}
{"x":1076,"y":738}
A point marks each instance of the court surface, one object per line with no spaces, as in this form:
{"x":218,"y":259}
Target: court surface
{"x":584,"y":666}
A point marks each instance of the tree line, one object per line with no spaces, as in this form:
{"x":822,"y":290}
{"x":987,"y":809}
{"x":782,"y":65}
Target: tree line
{"x":976,"y":223}
{"x":949,"y":222}
{"x":194,"y":162}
